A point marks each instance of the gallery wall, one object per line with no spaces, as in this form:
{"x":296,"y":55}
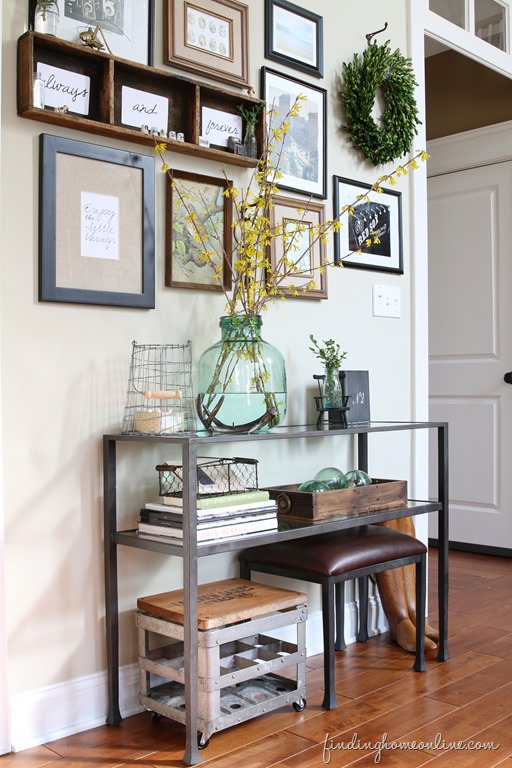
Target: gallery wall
{"x":64,"y":369}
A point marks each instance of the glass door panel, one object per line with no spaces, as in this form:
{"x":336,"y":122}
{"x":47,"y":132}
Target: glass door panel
{"x":490,"y":23}
{"x":451,"y":10}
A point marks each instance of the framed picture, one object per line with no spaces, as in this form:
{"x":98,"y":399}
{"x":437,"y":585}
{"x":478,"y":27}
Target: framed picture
{"x":209,"y":37}
{"x":202,"y":197}
{"x":294,"y":37}
{"x":302,"y":154}
{"x":376,"y":218}
{"x":297,"y":252}
{"x":96,"y":224}
{"x":128,"y":25}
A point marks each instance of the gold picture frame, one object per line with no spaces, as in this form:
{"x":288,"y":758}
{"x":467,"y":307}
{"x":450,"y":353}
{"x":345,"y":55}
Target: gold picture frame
{"x":303,"y":219}
{"x":209,"y":37}
{"x":205,"y":198}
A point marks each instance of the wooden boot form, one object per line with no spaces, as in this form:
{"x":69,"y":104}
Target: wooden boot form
{"x":394,"y":601}
{"x":407,"y":632}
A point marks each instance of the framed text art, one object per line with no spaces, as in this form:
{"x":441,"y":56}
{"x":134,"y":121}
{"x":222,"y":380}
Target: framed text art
{"x":128,"y":26}
{"x":209,"y":37}
{"x":297,"y":249}
{"x":371,"y":235}
{"x":302,"y":154}
{"x":198,"y":220}
{"x":294,"y":37}
{"x":96,"y":224}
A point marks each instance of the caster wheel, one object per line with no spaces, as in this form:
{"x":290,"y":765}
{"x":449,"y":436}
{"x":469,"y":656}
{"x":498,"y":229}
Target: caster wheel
{"x":155,"y":717}
{"x":299,"y":706}
{"x":200,"y":743}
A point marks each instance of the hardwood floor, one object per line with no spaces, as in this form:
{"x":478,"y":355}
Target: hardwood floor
{"x":466,"y":701}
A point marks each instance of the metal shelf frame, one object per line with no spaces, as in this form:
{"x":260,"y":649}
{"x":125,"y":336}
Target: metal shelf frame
{"x":189,"y":444}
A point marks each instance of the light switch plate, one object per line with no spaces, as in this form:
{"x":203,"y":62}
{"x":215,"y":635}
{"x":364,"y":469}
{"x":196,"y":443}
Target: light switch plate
{"x":386,"y":301}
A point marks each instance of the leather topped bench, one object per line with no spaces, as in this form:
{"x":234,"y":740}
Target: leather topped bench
{"x":330,"y":559}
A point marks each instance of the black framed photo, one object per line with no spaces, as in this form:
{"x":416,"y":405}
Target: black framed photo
{"x":371,"y":232}
{"x":127,"y":26}
{"x":294,"y":37}
{"x":302,"y":154}
{"x":96,"y":224}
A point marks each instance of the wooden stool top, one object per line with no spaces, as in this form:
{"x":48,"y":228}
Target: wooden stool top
{"x":223,"y":602}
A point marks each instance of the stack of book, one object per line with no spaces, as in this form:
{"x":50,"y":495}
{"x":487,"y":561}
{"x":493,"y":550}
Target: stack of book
{"x":225,"y":516}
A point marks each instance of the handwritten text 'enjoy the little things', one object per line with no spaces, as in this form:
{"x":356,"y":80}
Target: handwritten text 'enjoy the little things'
{"x":100,"y":226}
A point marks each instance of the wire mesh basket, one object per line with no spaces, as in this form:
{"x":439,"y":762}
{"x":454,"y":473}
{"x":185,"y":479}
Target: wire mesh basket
{"x":160,"y":396}
{"x":214,"y":476}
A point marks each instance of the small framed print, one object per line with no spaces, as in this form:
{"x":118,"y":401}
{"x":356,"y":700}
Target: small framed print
{"x":302,"y":154}
{"x":294,"y":37}
{"x":209,"y":37}
{"x":371,"y":234}
{"x":128,"y":26}
{"x":297,"y":251}
{"x":191,"y":197}
{"x":96,"y":224}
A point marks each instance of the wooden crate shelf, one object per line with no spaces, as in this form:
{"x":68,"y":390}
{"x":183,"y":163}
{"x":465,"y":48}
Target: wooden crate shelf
{"x":108,"y":74}
{"x":242,"y":670}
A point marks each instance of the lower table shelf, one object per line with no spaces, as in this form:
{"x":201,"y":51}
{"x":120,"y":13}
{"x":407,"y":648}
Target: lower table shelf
{"x":236,"y":703}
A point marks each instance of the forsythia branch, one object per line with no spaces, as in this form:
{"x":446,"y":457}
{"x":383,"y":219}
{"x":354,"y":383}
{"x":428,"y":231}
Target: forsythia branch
{"x":255,"y":281}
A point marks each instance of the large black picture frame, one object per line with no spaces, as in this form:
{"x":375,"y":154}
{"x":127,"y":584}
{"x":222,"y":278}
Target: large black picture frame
{"x":294,"y":37}
{"x":303,"y":152}
{"x":371,"y":232}
{"x":96,"y":224}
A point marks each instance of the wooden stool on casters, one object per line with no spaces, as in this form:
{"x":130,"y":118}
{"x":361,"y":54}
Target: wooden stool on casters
{"x":331,"y":559}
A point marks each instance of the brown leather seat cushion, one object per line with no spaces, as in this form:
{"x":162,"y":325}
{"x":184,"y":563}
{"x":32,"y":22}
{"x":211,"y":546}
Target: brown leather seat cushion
{"x":331,"y":554}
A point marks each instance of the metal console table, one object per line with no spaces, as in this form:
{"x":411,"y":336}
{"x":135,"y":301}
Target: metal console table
{"x":188,"y":443}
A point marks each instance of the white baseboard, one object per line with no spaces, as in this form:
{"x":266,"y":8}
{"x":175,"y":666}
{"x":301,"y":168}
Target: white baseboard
{"x":43,"y":715}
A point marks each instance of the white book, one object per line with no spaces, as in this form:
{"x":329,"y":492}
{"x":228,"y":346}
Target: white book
{"x":211,"y":534}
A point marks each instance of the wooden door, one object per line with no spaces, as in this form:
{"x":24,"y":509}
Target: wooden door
{"x":470,"y":345}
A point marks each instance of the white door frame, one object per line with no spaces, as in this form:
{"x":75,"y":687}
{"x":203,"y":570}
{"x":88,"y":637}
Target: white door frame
{"x":418,"y":272}
{"x":422,"y":21}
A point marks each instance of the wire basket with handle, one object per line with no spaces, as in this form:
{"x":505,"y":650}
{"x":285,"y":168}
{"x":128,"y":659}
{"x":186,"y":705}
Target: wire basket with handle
{"x":160,"y":396}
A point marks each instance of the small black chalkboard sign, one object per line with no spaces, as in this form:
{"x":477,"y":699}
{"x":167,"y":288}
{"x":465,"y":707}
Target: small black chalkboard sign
{"x":356,"y":384}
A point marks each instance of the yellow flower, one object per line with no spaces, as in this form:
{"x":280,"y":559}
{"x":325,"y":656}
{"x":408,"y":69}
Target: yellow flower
{"x":255,"y":281}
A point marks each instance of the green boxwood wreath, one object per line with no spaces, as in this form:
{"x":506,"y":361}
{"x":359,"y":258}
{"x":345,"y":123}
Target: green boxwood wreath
{"x":392,"y":73}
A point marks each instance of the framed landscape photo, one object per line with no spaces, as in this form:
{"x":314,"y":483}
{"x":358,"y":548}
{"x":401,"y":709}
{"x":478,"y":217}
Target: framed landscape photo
{"x":128,"y":25}
{"x":209,"y":37}
{"x":96,"y":224}
{"x":294,"y":37}
{"x":201,"y":197}
{"x":377,"y":218}
{"x":302,"y":154}
{"x":298,"y":253}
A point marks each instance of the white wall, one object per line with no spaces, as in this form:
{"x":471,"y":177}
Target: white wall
{"x":64,"y":376}
{"x":4,"y":692}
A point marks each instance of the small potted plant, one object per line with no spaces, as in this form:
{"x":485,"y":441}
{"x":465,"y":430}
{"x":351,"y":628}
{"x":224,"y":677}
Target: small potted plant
{"x":330,"y":355}
{"x":250,"y":115}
